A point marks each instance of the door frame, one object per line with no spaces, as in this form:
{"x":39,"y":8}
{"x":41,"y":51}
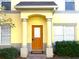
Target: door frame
{"x":41,"y":26}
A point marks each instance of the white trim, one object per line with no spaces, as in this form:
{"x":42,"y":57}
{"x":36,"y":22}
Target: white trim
{"x":66,"y":25}
{"x":69,"y":0}
{"x":24,"y":19}
{"x":5,"y":44}
{"x":5,"y":0}
{"x":1,"y":38}
{"x":49,"y":31}
{"x":49,"y":19}
{"x":35,"y":6}
{"x":0,"y":34}
{"x":24,"y":34}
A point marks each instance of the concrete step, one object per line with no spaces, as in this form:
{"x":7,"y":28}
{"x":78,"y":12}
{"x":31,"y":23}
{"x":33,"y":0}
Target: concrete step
{"x":36,"y":56}
{"x":37,"y":52}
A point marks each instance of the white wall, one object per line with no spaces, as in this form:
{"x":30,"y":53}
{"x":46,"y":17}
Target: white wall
{"x":61,"y":4}
{"x":72,"y":18}
{"x":13,"y":4}
{"x":76,"y":5}
{"x":65,"y":17}
{"x":0,"y":5}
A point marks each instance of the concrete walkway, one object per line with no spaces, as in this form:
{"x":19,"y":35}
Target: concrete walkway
{"x":36,"y":56}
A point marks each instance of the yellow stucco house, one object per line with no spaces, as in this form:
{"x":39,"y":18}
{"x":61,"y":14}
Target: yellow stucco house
{"x":36,"y":26}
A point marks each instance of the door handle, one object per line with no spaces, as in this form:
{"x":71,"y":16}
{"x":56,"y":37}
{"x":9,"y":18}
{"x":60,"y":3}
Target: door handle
{"x":32,"y":39}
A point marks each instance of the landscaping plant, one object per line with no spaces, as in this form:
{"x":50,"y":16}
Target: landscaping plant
{"x":67,"y":48}
{"x":9,"y":53}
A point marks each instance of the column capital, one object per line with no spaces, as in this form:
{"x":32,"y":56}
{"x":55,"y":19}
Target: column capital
{"x":49,"y":19}
{"x":24,"y":19}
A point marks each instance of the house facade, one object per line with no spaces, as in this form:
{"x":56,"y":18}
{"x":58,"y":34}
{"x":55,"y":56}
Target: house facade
{"x":38,"y":24}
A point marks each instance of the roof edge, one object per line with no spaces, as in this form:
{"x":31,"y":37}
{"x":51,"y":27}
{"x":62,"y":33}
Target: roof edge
{"x":24,"y":7}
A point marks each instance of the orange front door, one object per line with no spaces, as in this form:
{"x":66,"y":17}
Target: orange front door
{"x":37,"y":37}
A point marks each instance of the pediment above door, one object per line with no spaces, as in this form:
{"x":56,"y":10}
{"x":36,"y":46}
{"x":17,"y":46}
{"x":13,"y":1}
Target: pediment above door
{"x":43,"y":8}
{"x":36,"y":5}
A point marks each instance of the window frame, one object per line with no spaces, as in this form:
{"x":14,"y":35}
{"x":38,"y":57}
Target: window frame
{"x":67,"y":7}
{"x":6,"y":2}
{"x":73,"y":25}
{"x":9,"y":43}
{"x":69,"y":0}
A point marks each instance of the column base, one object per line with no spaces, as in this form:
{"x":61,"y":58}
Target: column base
{"x":24,"y":52}
{"x":49,"y":52}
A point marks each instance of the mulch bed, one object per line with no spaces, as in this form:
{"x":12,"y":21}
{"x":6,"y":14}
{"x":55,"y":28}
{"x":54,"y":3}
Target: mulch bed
{"x":65,"y":57}
{"x":16,"y":58}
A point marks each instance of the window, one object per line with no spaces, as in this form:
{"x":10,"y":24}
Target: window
{"x":69,"y":0}
{"x":69,"y":5}
{"x":6,"y":5}
{"x":58,"y":33}
{"x":6,"y":0}
{"x":5,"y":34}
{"x":65,"y":33}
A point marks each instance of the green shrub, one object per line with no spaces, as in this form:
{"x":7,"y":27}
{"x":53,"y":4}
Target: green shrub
{"x":4,"y":54}
{"x":67,"y":48}
{"x":9,"y":53}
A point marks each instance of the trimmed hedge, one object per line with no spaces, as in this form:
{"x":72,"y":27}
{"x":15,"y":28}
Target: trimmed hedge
{"x":67,"y":48}
{"x":9,"y":53}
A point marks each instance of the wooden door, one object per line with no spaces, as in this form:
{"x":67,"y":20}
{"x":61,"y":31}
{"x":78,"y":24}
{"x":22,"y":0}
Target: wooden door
{"x":37,"y":38}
